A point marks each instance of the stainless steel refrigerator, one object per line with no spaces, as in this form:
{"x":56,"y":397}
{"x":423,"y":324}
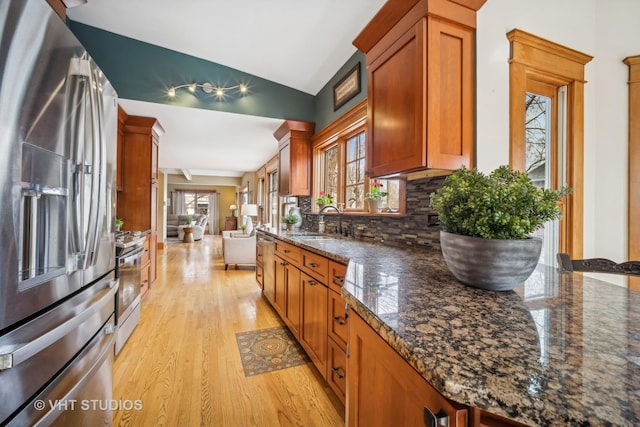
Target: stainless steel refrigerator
{"x":58,"y":133}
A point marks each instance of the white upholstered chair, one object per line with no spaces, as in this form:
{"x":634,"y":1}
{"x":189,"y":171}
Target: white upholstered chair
{"x":238,"y":248}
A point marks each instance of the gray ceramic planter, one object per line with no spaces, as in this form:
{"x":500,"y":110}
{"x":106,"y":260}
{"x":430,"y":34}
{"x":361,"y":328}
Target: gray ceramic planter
{"x":493,"y":264}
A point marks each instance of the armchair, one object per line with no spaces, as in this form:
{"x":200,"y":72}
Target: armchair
{"x":239,"y":250}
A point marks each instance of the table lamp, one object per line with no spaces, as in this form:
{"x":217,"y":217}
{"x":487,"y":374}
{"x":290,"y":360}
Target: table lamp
{"x":247,"y":211}
{"x":233,"y":210}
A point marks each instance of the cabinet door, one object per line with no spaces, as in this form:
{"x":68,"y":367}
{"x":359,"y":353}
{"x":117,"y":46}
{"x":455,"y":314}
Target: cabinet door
{"x":396,"y":90}
{"x":384,"y":390}
{"x":337,"y":319}
{"x":450,"y":95}
{"x":284,"y":169}
{"x":313,"y":327}
{"x":292,"y":315}
{"x":280,"y":294}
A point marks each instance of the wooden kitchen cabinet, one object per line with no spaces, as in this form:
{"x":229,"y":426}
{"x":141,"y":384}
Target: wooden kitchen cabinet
{"x":294,"y":157}
{"x":313,"y":325}
{"x":420,"y":58}
{"x":384,"y":390}
{"x":138,"y":200}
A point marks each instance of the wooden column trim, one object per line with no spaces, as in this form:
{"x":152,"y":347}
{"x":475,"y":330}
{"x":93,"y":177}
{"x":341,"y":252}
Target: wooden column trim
{"x":633,"y":244}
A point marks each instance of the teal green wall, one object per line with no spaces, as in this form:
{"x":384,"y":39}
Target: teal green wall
{"x":324,"y":99}
{"x":142,"y":71}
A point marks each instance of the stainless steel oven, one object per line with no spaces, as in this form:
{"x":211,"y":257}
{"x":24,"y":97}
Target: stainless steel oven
{"x":129,"y":260}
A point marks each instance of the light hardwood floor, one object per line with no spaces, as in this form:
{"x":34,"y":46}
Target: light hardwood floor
{"x":182,"y":362}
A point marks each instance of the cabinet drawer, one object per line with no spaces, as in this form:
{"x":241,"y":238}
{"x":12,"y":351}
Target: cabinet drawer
{"x":337,"y":320}
{"x":337,"y":273}
{"x":288,"y":252}
{"x":337,"y":369}
{"x":315,"y":265}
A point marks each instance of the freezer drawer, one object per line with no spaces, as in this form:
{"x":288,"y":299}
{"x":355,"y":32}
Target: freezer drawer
{"x":32,"y":355}
{"x":81,"y":394}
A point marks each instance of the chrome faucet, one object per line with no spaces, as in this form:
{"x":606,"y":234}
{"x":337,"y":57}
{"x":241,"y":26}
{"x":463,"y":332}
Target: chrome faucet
{"x":339,"y":216}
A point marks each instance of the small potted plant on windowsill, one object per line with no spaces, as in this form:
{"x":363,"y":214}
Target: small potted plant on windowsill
{"x":291,"y":221}
{"x":487,"y":221}
{"x":375,"y":197}
{"x":324,"y":200}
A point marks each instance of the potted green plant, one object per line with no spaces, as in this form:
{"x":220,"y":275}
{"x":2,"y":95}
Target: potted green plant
{"x":243,"y":228}
{"x":291,"y":220}
{"x":188,"y":219}
{"x":119,"y":223}
{"x":487,"y":222}
{"x":324,"y":199}
{"x":375,"y":196}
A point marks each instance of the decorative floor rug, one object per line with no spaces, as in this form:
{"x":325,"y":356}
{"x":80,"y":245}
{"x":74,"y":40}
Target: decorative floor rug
{"x":267,"y":350}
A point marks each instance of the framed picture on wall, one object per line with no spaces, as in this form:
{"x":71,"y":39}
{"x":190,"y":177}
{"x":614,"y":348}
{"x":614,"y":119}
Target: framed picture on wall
{"x":347,"y":87}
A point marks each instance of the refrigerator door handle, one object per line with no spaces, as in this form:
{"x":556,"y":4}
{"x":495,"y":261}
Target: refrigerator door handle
{"x":97,"y":172}
{"x":19,"y":354}
{"x":75,"y":103}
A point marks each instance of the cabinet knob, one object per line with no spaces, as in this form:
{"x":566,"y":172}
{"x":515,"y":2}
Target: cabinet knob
{"x":339,"y":320}
{"x":338,"y":279}
{"x":337,"y":372}
{"x":313,"y":265}
{"x":286,"y":251}
{"x":312,"y":283}
{"x":283,"y":263}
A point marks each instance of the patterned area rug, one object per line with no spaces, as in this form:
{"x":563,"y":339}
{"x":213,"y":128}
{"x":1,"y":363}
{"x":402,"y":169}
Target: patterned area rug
{"x":267,"y":350}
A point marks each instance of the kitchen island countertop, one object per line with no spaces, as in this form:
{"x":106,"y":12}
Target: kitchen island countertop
{"x":561,"y":349}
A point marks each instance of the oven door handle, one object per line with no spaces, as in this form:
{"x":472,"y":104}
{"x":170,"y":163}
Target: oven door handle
{"x":134,"y":252}
{"x":21,"y":353}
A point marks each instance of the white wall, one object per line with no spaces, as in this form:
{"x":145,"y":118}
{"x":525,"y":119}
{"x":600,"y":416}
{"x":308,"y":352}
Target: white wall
{"x":609,"y":31}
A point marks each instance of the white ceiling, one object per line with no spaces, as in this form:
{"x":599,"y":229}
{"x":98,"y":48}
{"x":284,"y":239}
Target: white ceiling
{"x":300,"y":44}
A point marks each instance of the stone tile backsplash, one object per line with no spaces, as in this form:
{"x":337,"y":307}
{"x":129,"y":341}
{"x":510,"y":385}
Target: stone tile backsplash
{"x":411,"y":229}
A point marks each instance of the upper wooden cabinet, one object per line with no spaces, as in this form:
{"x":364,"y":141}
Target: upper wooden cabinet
{"x":294,"y":157}
{"x":420,"y":56}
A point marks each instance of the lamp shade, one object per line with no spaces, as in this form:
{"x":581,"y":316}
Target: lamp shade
{"x":233,"y":207}
{"x":249,"y":209}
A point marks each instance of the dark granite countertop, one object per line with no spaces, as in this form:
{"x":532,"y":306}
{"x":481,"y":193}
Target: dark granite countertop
{"x":561,"y":349}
